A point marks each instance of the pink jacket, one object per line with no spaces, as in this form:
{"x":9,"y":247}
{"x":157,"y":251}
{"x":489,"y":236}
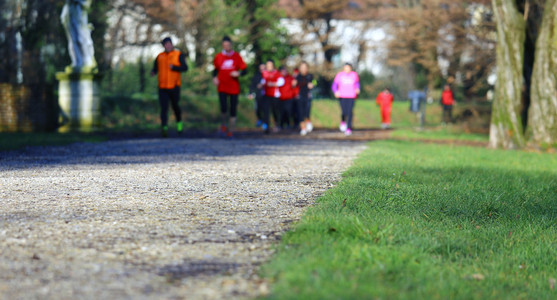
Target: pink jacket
{"x":346,"y":84}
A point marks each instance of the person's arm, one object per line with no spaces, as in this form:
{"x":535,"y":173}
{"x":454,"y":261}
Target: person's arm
{"x":310,"y":82}
{"x":334,"y":87}
{"x":183,"y":67}
{"x":280,"y":82}
{"x":243,"y":66}
{"x":357,"y":85}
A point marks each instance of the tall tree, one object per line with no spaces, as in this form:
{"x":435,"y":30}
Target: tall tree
{"x":506,"y":125}
{"x":525,"y":107}
{"x":542,"y":117}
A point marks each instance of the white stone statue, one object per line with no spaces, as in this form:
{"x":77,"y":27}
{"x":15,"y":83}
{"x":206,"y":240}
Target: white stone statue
{"x":78,"y":30}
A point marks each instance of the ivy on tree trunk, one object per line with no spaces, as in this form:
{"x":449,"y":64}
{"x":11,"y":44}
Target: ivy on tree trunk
{"x":506,"y":129}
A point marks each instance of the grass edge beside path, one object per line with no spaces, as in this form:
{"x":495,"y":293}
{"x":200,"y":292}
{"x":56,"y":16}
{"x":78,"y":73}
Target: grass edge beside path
{"x":15,"y":141}
{"x":427,"y":221}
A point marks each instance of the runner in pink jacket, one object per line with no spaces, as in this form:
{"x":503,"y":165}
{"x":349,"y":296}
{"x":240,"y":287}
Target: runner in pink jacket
{"x":346,"y":87}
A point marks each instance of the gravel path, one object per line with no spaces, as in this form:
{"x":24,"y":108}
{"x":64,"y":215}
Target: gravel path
{"x":153,"y":218}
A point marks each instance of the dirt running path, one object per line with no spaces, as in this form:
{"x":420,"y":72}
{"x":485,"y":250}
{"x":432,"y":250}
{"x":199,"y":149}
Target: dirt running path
{"x":153,"y":218}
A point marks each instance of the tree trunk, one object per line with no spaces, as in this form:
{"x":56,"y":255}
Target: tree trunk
{"x":506,"y":129}
{"x":543,"y":110}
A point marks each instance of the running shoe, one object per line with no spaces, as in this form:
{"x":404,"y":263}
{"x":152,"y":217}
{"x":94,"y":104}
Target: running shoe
{"x":343,"y":126}
{"x":180,"y":127}
{"x":164,"y":131}
{"x":303,"y":132}
{"x":309,"y":127}
{"x":223,"y":131}
{"x":348,"y":132}
{"x":259,"y":123}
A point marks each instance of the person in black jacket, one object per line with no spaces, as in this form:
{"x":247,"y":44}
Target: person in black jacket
{"x":257,"y":92}
{"x":304,"y":81}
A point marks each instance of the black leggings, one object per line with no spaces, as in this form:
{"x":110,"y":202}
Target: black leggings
{"x":447,"y":113}
{"x":224,"y":104}
{"x":172,"y":96}
{"x":267,"y":104}
{"x":286,"y":112}
{"x":304,"y":108}
{"x":347,"y":106}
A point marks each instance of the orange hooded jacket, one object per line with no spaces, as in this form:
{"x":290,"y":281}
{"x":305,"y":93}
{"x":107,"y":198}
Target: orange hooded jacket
{"x":169,"y":66}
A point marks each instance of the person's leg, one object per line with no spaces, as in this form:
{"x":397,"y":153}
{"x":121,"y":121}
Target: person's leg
{"x":349,"y":112}
{"x":309,"y":125}
{"x":265,"y":108}
{"x":223,"y":112}
{"x":275,"y":104}
{"x":302,"y":106}
{"x":164,"y":98}
{"x":385,"y":116}
{"x":344,"y":107}
{"x":233,"y":113}
{"x":293,"y":113}
{"x":175,"y":100}
{"x":450,"y":109}
{"x":287,"y":112}
{"x":259,"y":110}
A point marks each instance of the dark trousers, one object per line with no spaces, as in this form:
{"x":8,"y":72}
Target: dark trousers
{"x":223,"y":98}
{"x":447,"y":113}
{"x":259,"y":107}
{"x":304,"y":108}
{"x":347,"y":107}
{"x":286,"y":112}
{"x":266,"y":109}
{"x":277,"y":111}
{"x":166,"y":97}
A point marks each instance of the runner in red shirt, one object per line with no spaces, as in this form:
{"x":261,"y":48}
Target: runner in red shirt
{"x":229,"y":66}
{"x":447,"y":100}
{"x":385,"y":102}
{"x":287,"y":94}
{"x":271,"y":82}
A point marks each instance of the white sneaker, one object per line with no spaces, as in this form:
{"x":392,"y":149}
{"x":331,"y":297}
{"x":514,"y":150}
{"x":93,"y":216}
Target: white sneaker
{"x":303,"y":132}
{"x":309,"y":127}
{"x":343,"y":127}
{"x":348,"y":132}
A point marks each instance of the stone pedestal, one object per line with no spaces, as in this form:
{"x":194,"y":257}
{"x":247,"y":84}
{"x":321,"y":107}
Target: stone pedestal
{"x":79,"y":100}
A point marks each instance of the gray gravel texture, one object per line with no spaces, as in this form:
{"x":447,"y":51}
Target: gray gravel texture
{"x":155,"y":218}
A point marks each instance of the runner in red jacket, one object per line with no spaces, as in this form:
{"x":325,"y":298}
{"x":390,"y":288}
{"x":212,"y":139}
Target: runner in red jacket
{"x":229,"y":66}
{"x":385,"y":101}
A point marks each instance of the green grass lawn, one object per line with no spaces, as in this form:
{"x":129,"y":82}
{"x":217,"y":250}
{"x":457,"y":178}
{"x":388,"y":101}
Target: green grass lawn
{"x":423,"y":221}
{"x":326,"y":114}
{"x":14,"y":141}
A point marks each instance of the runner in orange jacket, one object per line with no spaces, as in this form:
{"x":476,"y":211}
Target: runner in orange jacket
{"x":385,"y":101}
{"x":168,"y":65}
